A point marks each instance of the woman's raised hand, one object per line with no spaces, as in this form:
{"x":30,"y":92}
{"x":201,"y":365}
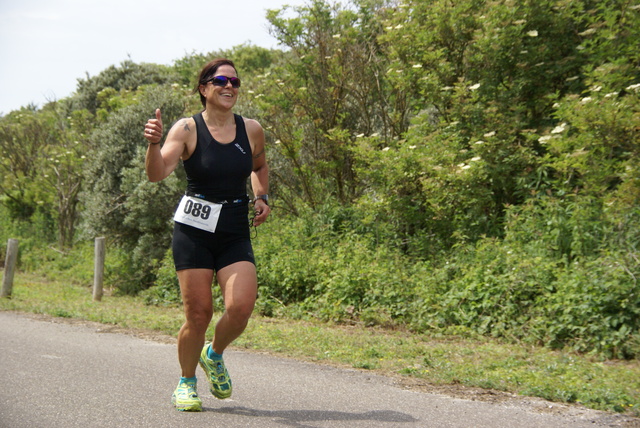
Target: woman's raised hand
{"x":153,"y":129}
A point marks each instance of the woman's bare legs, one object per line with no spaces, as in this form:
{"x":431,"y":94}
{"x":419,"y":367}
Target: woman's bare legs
{"x":239,"y":286}
{"x":195,"y":286}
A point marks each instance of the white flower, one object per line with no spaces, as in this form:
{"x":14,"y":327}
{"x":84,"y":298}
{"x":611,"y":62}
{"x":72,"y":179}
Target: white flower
{"x":559,"y":129}
{"x":596,"y":88}
{"x":474,"y":87}
{"x":417,"y":66}
{"x":466,"y":167}
{"x":633,"y":87}
{"x":544,"y":139}
{"x":611,"y":94}
{"x":587,"y":32}
{"x":447,"y":88}
{"x":336,"y":36}
{"x":571,"y":79}
{"x":520,"y":21}
{"x":490,"y":134}
{"x":585,"y":100}
{"x":386,"y":149}
{"x":399,"y":26}
{"x":475,"y":159}
{"x":412,"y":147}
{"x":359,"y":135}
{"x":532,"y":33}
{"x":278,"y":141}
{"x":479,"y":142}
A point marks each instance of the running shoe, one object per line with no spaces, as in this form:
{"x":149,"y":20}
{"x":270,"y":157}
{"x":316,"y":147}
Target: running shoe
{"x":185,"y":398}
{"x":217,"y":374}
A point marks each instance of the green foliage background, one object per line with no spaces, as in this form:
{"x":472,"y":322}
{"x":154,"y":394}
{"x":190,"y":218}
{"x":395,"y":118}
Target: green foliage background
{"x":467,"y":167}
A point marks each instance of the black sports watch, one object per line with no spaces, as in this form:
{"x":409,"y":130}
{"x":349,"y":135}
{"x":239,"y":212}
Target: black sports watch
{"x":265,"y":198}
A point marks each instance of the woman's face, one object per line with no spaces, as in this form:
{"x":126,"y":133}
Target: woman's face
{"x":221,"y":96}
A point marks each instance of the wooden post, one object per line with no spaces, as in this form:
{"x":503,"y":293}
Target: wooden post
{"x":9,"y":268}
{"x":98,"y":269}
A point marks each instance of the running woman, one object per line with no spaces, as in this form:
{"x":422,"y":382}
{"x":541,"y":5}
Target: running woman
{"x":220,"y":151}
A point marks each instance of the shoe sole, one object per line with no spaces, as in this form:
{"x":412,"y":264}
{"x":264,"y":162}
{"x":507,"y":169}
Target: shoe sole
{"x":187,"y":407}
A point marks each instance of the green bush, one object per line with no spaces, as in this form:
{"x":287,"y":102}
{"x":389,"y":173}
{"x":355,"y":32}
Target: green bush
{"x":166,"y":290}
{"x":547,"y":282}
{"x":596,"y":308}
{"x":288,"y":257}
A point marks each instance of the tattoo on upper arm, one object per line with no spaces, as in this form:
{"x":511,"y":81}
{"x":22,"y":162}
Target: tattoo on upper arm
{"x":259,"y":154}
{"x":186,"y":126}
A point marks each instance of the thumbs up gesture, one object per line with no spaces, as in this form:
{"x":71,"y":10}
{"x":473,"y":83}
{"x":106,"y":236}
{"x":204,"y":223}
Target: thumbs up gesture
{"x":153,"y":129}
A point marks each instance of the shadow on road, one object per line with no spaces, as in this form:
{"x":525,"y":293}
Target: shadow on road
{"x":296,"y":418}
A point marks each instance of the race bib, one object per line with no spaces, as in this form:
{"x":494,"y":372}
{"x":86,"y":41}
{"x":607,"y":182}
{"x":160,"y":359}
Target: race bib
{"x":198,"y":213}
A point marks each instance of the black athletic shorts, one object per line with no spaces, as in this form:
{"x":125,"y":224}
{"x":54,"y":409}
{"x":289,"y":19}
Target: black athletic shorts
{"x":194,"y":248}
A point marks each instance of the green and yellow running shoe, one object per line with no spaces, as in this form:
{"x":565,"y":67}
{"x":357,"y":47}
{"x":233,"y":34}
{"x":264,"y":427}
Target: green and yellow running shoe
{"x":217,"y":374}
{"x":185,"y":398}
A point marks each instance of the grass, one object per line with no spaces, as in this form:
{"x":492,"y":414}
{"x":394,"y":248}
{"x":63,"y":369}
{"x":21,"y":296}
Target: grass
{"x":437,"y":361}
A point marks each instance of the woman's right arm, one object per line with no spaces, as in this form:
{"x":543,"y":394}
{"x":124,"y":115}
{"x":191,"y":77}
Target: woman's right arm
{"x":160,"y":162}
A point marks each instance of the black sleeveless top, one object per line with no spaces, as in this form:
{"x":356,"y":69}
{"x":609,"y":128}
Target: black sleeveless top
{"x":219,"y":171}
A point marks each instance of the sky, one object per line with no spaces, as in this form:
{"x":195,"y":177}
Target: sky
{"x":47,"y":45}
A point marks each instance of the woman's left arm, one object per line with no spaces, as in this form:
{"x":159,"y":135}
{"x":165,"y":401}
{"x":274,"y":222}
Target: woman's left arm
{"x":260,"y":174}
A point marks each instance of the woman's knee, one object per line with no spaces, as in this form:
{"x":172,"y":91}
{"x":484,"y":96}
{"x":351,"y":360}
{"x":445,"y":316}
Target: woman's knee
{"x":241,"y":311}
{"x":199,"y":317}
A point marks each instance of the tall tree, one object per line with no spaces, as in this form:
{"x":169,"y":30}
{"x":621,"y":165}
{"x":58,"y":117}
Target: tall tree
{"x":330,"y":88}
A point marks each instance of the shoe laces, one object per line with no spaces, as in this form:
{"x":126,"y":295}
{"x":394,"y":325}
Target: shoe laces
{"x":188,"y":389}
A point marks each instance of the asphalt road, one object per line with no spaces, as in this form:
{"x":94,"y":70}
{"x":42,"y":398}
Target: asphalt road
{"x":56,"y":374}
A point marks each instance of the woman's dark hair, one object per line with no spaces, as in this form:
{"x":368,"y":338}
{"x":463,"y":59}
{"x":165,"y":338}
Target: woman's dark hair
{"x":207,"y":72}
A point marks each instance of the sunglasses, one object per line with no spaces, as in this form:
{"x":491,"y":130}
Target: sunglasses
{"x":223,"y":80}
